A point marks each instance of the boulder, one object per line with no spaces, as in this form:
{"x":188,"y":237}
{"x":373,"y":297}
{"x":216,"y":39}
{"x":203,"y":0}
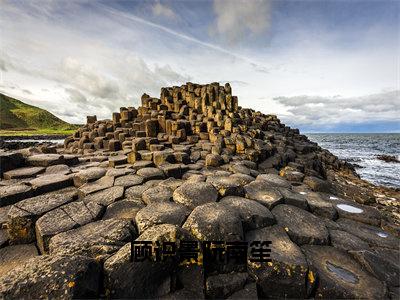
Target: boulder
{"x":339,"y":276}
{"x":56,"y":277}
{"x":253,"y":214}
{"x":285,"y":275}
{"x":301,"y":226}
{"x":97,"y":239}
{"x":161,"y":213}
{"x":226,"y":186}
{"x":193,"y":194}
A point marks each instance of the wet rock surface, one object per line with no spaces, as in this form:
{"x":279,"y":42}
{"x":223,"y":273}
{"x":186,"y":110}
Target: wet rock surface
{"x":192,"y":165}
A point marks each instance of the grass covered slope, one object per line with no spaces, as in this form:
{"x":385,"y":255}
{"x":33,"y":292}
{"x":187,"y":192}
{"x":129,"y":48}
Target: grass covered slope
{"x":17,"y":116}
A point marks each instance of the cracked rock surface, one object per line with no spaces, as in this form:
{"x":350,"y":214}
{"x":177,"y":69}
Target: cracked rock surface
{"x":192,"y":165}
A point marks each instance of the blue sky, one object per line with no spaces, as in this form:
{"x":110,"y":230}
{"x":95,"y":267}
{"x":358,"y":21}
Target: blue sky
{"x":319,"y":65}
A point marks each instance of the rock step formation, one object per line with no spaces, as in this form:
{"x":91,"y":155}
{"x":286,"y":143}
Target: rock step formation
{"x":69,"y":214}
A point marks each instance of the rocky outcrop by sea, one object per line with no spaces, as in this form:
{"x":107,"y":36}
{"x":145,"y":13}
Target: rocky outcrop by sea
{"x":186,"y":169}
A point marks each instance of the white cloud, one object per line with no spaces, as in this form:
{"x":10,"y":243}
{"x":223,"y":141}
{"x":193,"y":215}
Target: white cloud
{"x":237,"y":18}
{"x":161,"y":10}
{"x":318,"y":110}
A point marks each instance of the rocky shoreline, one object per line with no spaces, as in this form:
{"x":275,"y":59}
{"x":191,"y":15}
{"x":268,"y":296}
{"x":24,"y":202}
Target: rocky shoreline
{"x":192,"y":166}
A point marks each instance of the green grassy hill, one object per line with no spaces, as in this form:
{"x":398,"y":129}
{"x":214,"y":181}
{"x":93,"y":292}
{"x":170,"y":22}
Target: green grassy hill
{"x":17,"y":116}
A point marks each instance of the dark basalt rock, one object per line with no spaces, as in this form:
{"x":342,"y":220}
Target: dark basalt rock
{"x":222,"y":285}
{"x":13,"y":256}
{"x":374,"y":236}
{"x":11,"y":194}
{"x":253,"y":214}
{"x":285,"y":276}
{"x":321,"y":206}
{"x":263,"y":193}
{"x":388,"y":158}
{"x":26,"y":172}
{"x":161,"y":213}
{"x":58,"y":277}
{"x":23,"y":215}
{"x":338,"y":276}
{"x":64,"y":218}
{"x":97,"y":239}
{"x":346,"y":241}
{"x":123,"y":209}
{"x":193,"y":194}
{"x":215,"y":222}
{"x":301,"y":226}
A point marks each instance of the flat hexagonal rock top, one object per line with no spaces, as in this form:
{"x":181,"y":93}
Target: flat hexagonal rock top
{"x":357,"y":212}
{"x":274,"y":180}
{"x":165,"y":233}
{"x":215,"y":222}
{"x":64,"y":218}
{"x":242,"y":179}
{"x":253,"y":214}
{"x":128,"y":180}
{"x":293,"y":198}
{"x":346,"y":241}
{"x":88,"y":175}
{"x":320,"y":205}
{"x":301,"y":226}
{"x":192,"y":194}
{"x":95,"y":186}
{"x":55,"y":277}
{"x":45,"y":160}
{"x":123,"y":209}
{"x":10,"y":194}
{"x":374,"y":236}
{"x":161,"y":213}
{"x":339,"y":276}
{"x":263,"y":193}
{"x":26,"y":172}
{"x":13,"y":256}
{"x":107,"y":196}
{"x":23,"y":215}
{"x":285,"y":275}
{"x":52,"y":182}
{"x":150,"y":173}
{"x":98,"y":239}
{"x":226,"y":185}
{"x":158,"y":193}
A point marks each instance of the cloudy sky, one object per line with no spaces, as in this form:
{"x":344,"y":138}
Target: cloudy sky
{"x":319,"y":65}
